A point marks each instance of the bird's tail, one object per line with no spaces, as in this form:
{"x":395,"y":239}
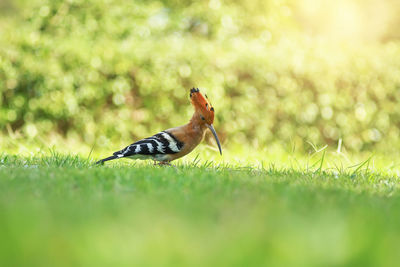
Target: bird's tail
{"x":106,"y":159}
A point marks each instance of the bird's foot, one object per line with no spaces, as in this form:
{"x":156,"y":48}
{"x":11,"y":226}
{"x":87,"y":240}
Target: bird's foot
{"x":163,"y":163}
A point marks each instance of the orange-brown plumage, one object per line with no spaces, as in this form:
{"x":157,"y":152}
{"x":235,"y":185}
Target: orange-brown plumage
{"x":176,"y":142}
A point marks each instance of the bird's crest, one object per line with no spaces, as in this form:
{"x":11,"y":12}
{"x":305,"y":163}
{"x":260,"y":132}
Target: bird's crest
{"x":201,"y":103}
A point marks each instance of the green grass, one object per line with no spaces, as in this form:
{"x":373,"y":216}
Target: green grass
{"x":64,"y":211}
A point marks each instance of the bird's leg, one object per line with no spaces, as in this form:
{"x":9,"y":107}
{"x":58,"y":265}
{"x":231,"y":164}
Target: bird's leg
{"x":164,"y":163}
{"x":161,"y":163}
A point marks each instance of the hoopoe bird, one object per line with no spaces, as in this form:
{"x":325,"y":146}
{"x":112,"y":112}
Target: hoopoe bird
{"x":177,"y":142}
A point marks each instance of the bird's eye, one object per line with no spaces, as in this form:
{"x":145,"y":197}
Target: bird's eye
{"x":201,"y":117}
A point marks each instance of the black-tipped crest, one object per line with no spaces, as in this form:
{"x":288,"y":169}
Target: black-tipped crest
{"x":202,"y":105}
{"x":194,"y":90}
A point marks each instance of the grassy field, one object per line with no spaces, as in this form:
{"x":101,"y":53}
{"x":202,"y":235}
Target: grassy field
{"x":64,"y":211}
{"x":306,"y":95}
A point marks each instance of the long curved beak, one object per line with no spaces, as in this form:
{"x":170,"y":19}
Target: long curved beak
{"x":211,"y":127}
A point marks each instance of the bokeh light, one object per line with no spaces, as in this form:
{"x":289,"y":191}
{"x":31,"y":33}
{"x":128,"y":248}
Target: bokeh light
{"x":105,"y":73}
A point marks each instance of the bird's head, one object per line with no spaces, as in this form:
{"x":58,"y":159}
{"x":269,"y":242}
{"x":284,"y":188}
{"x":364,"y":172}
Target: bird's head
{"x":205,"y":112}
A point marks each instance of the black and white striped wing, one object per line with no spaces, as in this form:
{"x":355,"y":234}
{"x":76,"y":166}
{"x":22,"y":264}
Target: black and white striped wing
{"x":159,"y":144}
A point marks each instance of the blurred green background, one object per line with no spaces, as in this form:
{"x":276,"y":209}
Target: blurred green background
{"x":103,"y":73}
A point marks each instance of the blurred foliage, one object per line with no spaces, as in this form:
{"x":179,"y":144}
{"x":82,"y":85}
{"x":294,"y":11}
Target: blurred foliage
{"x":276,"y":71}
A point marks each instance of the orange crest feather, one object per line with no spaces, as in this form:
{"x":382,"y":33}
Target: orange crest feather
{"x":202,"y":105}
